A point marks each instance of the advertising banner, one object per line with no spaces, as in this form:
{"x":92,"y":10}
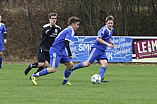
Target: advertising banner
{"x":144,"y":49}
{"x":122,"y":52}
{"x":80,"y":47}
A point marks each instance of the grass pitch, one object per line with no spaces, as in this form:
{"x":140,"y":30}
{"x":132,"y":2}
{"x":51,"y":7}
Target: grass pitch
{"x":128,"y":84}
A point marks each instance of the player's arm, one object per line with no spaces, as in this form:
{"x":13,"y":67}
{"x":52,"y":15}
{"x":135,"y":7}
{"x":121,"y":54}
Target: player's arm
{"x":5,"y":38}
{"x":68,"y":49}
{"x":103,"y":42}
{"x":4,"y":33}
{"x":111,"y":42}
{"x":48,"y":32}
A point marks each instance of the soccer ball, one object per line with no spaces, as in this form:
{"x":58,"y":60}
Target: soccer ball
{"x":96,"y":79}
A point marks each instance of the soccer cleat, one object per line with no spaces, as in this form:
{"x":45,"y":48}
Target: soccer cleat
{"x":33,"y":79}
{"x":102,"y":80}
{"x":68,"y":83}
{"x":28,"y":69}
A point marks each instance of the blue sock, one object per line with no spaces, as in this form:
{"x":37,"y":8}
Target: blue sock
{"x":102,"y":71}
{"x":0,"y":61}
{"x":41,"y":73}
{"x":66,"y":75}
{"x":77,"y":66}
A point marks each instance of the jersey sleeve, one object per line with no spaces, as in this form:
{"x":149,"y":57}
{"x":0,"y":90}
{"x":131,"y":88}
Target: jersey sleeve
{"x":101,"y":32}
{"x":44,"y":30}
{"x":69,"y":35}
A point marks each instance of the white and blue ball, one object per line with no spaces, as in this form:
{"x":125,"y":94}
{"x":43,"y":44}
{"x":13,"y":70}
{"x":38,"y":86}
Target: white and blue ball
{"x":96,"y":79}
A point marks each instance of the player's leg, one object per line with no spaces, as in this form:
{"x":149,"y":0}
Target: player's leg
{"x":41,"y":60}
{"x":92,"y":57}
{"x":69,"y":65}
{"x":1,"y":54}
{"x":104,"y":64}
{"x":40,"y":66}
{"x":39,"y":69}
{"x":40,"y":63}
{"x":45,"y":64}
{"x":54,"y":62}
{"x":30,"y":66}
{"x":81,"y":65}
{"x":1,"y":57}
{"x":67,"y":72}
{"x":42,"y":73}
{"x":45,"y":71}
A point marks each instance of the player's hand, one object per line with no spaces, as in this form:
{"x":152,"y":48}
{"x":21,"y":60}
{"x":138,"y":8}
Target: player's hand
{"x":70,"y":57}
{"x":5,"y":40}
{"x":111,"y":46}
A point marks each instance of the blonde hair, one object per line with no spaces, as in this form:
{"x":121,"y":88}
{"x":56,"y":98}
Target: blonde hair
{"x":110,"y":17}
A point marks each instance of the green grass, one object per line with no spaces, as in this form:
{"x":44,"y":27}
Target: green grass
{"x":128,"y":84}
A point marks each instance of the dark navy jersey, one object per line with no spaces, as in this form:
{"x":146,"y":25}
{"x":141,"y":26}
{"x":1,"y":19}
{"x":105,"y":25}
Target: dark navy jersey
{"x":49,"y":34}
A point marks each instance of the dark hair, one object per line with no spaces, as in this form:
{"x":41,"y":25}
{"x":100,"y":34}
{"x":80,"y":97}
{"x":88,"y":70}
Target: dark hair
{"x":109,"y":18}
{"x":73,"y":20}
{"x":51,"y":14}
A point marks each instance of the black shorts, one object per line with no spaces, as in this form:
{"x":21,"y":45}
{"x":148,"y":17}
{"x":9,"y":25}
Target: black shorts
{"x":43,"y":56}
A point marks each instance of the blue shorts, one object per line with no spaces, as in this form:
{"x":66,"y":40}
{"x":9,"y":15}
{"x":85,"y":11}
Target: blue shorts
{"x":96,"y":54}
{"x":1,"y":47}
{"x":56,"y":58}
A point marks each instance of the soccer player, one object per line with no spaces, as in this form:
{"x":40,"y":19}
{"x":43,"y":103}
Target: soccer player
{"x":98,"y":49}
{"x":2,"y":32}
{"x":58,"y":54}
{"x":49,"y":33}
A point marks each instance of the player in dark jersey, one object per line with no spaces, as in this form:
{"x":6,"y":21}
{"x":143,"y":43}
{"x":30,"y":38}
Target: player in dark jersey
{"x":49,"y":33}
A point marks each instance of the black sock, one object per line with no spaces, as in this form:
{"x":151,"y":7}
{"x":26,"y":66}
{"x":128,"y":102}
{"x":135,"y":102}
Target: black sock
{"x":35,"y":65}
{"x":39,"y":69}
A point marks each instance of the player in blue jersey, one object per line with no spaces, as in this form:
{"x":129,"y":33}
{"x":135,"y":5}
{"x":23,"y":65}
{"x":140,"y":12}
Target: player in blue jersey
{"x":97,"y":52}
{"x":49,"y":33}
{"x":2,"y":32}
{"x":58,"y":54}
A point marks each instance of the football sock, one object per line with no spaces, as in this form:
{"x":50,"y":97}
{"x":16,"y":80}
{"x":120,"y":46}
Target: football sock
{"x":77,"y":66}
{"x":39,"y":69}
{"x":34,"y":65}
{"x":66,"y":75}
{"x":41,"y":73}
{"x":102,"y":71}
{"x":0,"y":61}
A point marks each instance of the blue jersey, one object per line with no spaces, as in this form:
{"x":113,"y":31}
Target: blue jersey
{"x":105,"y":35}
{"x":2,"y":31}
{"x":58,"y":45}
